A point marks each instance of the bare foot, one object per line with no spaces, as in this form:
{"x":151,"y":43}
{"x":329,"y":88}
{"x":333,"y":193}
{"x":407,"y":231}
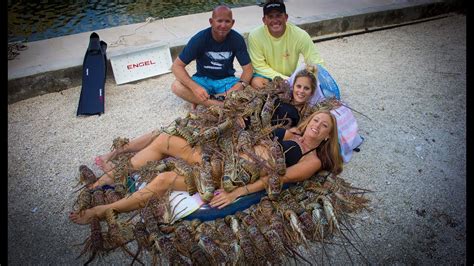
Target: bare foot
{"x":87,"y":216}
{"x":103,"y":180}
{"x":103,"y":163}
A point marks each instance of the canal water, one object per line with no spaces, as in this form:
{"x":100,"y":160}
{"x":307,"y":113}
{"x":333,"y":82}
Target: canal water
{"x":33,"y":20}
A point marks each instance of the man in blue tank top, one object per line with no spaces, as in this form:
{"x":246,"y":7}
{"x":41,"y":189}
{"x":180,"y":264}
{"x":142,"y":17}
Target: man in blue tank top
{"x":214,"y":50}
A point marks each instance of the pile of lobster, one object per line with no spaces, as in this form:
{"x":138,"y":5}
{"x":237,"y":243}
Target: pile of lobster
{"x":268,"y":232}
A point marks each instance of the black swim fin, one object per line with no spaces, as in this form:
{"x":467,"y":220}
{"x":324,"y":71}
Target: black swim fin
{"x":94,"y":70}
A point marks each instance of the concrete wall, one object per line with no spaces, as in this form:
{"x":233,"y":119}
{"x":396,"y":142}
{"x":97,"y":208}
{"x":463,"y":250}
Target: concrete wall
{"x":55,"y":81}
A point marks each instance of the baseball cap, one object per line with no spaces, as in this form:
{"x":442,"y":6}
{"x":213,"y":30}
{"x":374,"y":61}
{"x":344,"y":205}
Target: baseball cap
{"x":270,"y":6}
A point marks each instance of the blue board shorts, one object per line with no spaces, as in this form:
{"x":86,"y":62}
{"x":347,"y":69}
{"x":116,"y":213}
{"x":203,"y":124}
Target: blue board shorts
{"x":216,"y":86}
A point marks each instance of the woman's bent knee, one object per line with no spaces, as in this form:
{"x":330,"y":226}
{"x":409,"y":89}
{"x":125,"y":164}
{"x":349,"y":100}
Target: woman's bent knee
{"x":165,"y":180}
{"x":161,"y":141}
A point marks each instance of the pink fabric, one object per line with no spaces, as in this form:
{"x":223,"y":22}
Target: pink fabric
{"x":347,"y":131}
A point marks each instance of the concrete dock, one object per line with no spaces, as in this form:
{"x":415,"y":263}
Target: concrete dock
{"x":406,"y":82}
{"x":56,"y":64}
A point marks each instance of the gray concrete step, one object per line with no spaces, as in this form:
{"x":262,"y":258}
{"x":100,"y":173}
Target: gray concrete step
{"x":56,"y":64}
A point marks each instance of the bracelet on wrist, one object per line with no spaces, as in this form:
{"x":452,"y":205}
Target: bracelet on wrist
{"x":244,"y":84}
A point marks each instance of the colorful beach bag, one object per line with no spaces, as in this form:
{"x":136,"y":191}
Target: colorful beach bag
{"x":347,"y":131}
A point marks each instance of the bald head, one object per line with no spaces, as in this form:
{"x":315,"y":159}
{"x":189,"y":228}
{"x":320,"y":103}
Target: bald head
{"x":221,"y":22}
{"x":221,"y":10}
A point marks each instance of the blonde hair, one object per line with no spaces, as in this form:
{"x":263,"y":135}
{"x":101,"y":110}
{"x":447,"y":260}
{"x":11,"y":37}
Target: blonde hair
{"x":328,"y":151}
